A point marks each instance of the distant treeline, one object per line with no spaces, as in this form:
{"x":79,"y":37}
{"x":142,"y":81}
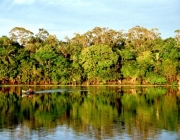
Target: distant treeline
{"x":99,"y":56}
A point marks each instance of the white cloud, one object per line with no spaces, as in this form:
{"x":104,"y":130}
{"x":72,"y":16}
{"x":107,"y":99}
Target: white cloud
{"x":23,"y":1}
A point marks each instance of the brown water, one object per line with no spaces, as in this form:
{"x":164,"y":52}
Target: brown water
{"x":102,"y":112}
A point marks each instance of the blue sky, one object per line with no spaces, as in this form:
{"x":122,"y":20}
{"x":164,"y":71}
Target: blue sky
{"x":66,"y":17}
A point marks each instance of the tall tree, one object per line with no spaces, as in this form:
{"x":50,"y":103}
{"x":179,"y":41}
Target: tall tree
{"x":42,"y":34}
{"x":169,"y":69}
{"x":96,"y":60}
{"x":45,"y":56}
{"x":140,"y":39}
{"x":177,"y":35}
{"x":8,"y":52}
{"x":20,"y":35}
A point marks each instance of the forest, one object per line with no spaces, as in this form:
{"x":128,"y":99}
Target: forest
{"x":97,"y":57}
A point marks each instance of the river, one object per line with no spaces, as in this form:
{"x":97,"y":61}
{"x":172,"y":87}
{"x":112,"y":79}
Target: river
{"x":90,"y":112}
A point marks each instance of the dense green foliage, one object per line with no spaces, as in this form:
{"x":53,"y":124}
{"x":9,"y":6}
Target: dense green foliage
{"x":99,"y":56}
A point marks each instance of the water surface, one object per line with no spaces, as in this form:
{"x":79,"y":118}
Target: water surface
{"x":96,"y":112}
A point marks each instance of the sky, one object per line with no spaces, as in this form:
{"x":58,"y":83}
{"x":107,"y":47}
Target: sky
{"x":66,"y":17}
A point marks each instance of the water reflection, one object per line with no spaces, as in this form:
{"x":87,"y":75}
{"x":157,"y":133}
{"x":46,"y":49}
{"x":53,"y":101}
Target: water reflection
{"x":90,"y":113}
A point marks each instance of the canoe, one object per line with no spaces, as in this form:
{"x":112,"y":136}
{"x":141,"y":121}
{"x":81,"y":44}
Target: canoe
{"x":26,"y":93}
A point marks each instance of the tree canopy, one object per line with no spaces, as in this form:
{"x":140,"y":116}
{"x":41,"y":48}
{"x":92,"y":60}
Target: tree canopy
{"x":98,"y":56}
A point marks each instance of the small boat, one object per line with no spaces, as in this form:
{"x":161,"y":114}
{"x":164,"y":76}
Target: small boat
{"x":27,"y":93}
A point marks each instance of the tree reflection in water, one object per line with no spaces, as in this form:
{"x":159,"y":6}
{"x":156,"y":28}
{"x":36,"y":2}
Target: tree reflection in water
{"x":103,"y":112}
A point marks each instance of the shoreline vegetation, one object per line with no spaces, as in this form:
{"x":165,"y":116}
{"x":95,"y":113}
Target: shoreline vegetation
{"x":31,"y":85}
{"x":101,"y":56}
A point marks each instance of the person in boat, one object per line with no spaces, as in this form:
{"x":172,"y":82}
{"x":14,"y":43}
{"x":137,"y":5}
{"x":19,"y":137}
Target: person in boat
{"x":30,"y":91}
